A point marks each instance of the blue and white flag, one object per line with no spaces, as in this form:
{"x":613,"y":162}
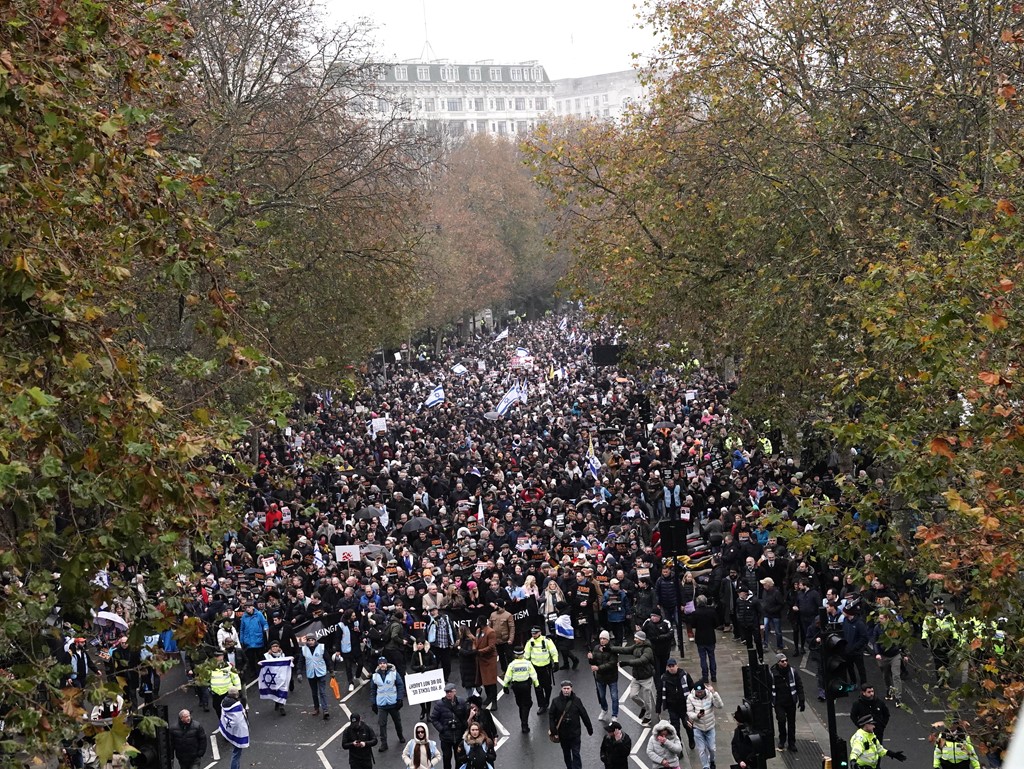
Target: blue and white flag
{"x":522,"y":352}
{"x":508,"y":400}
{"x":480,"y":510}
{"x":593,"y":463}
{"x":275,"y":678}
{"x":523,"y":392}
{"x":563,"y":324}
{"x":233,"y":725}
{"x":436,"y":396}
{"x":502,"y":335}
{"x":459,"y":370}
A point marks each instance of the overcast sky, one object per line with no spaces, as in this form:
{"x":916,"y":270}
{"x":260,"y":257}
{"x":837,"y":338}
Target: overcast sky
{"x":570,"y":38}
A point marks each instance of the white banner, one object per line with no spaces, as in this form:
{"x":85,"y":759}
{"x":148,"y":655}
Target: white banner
{"x":378,"y":425}
{"x":424,"y":687}
{"x":346,"y":553}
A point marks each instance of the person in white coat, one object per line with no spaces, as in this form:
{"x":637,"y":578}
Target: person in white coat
{"x":664,"y":748}
{"x":421,"y":752}
{"x":701,"y":704}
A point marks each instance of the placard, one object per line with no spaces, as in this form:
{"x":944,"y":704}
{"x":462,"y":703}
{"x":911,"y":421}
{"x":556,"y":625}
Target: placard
{"x":346,"y":553}
{"x":378,"y":425}
{"x":270,"y":566}
{"x":424,"y":687}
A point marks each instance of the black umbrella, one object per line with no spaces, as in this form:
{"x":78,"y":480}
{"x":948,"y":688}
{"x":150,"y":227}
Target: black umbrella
{"x":418,"y":523}
{"x":254,"y":571}
{"x":366,"y":513}
{"x":611,"y":430}
{"x":370,"y":550}
{"x":492,"y":416}
{"x":663,"y":425}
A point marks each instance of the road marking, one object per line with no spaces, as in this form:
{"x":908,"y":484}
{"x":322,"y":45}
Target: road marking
{"x":332,"y":738}
{"x":354,"y":691}
{"x":505,"y":734}
{"x":290,"y":744}
{"x":213,"y":745}
{"x":640,"y":741}
{"x":933,"y":711}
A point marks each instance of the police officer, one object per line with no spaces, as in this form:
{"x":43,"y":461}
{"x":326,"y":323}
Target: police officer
{"x":939,"y":632}
{"x":865,"y":749}
{"x":953,"y":750}
{"x":522,"y":677}
{"x":543,"y":655}
{"x":223,"y":678}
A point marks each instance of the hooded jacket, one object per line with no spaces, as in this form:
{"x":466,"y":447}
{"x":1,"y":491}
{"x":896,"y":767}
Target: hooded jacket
{"x":476,"y":753}
{"x":421,"y":754}
{"x":694,"y":705}
{"x":639,"y":656}
{"x":359,"y":757}
{"x":670,"y":750}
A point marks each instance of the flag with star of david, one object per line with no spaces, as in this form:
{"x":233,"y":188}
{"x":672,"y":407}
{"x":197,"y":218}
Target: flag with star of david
{"x":275,"y":675}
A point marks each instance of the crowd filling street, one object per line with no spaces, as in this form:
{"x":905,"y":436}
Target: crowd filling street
{"x":505,"y":511}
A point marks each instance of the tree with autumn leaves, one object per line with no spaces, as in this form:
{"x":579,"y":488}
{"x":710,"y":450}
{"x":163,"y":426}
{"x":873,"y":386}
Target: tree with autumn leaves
{"x":824,"y":195}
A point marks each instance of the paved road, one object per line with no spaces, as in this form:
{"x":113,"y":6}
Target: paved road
{"x":302,"y":741}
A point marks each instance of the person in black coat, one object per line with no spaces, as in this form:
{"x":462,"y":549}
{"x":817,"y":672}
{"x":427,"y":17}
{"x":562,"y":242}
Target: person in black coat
{"x":615,"y":747}
{"x":566,"y":717}
{"x":748,"y":619}
{"x":787,"y":696}
{"x":359,"y":740}
{"x":869,"y":705}
{"x":188,"y":741}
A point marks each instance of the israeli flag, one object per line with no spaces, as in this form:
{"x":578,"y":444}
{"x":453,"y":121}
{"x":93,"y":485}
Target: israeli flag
{"x":233,"y":725}
{"x":459,"y":370}
{"x":436,"y":396}
{"x":523,"y":392}
{"x":563,"y":324}
{"x":522,"y":352}
{"x":275,"y":678}
{"x":593,"y":463}
{"x":502,"y":335}
{"x":508,"y":400}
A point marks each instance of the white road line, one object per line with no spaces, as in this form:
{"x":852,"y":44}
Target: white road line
{"x":639,"y":762}
{"x":354,"y":691}
{"x":640,"y":741}
{"x":209,"y":765}
{"x":332,"y":738}
{"x":213,"y":745}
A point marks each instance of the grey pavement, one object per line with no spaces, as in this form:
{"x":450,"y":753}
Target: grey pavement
{"x":302,"y":741}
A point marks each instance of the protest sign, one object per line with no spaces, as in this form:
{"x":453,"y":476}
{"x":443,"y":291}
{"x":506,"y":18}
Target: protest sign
{"x":424,"y":687}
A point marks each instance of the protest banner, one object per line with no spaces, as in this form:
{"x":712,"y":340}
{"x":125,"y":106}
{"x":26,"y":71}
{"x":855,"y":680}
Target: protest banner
{"x":346,"y":553}
{"x":424,"y":687}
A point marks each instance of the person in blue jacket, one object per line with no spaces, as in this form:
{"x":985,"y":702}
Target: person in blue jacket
{"x":387,"y":692}
{"x":252,"y":634}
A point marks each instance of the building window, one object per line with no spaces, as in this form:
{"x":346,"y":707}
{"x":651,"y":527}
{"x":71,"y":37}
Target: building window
{"x":382,"y":105}
{"x":606,"y":112}
{"x":499,"y":103}
{"x":481,"y":126}
{"x":502,"y":128}
{"x":520,"y":102}
{"x":578,"y":105}
{"x":521,"y":127}
{"x":542,"y":104}
{"x":515,"y":74}
{"x":456,"y":128}
{"x":455,"y":105}
{"x":604,"y":98}
{"x":428,"y":105}
{"x":423,"y":73}
{"x":495,"y":74}
{"x":401,"y":72}
{"x":474,"y":74}
{"x":586,"y":101}
{"x":537,"y":77}
{"x":450,"y":74}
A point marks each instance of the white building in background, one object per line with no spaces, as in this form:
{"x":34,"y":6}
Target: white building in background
{"x":597,"y":96}
{"x":461,"y":99}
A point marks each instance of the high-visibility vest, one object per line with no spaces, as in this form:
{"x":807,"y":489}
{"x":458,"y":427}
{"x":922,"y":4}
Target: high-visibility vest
{"x":541,"y":652}
{"x":222,"y":679}
{"x":520,"y":671}
{"x":865,"y":749}
{"x":952,"y":753}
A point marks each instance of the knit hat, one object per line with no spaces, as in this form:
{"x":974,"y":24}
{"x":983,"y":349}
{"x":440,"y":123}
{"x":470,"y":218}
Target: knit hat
{"x":640,"y":635}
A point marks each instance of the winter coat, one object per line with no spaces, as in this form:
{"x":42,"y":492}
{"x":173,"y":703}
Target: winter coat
{"x":422,"y":660}
{"x":607,"y":663}
{"x":504,"y":626}
{"x":476,"y":753}
{"x":576,"y":717}
{"x":188,"y":741}
{"x":359,"y":758}
{"x":748,"y":613}
{"x":694,"y":705}
{"x":639,"y":656}
{"x":486,"y":656}
{"x":874,"y":707}
{"x":704,"y":621}
{"x":421,"y":754}
{"x":670,"y":750}
{"x":666,"y":591}
{"x":643,"y":604}
{"x":252,"y":629}
{"x":782,"y":692}
{"x":773,"y":603}
{"x":674,"y":689}
{"x":467,"y":663}
{"x":659,"y":635}
{"x":615,"y":753}
{"x":449,"y":719}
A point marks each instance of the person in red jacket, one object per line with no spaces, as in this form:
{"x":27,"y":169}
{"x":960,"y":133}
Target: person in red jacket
{"x":274,"y":518}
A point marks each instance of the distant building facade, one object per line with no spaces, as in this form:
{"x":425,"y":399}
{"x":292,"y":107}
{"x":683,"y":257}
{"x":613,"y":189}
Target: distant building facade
{"x":597,"y":96}
{"x":463,"y":99}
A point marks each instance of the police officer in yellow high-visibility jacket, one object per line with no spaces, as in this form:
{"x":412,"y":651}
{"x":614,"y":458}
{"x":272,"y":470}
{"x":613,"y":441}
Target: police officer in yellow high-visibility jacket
{"x":522,"y":677}
{"x":953,"y":750}
{"x":865,"y":749}
{"x":223,"y":678}
{"x":542,"y":653}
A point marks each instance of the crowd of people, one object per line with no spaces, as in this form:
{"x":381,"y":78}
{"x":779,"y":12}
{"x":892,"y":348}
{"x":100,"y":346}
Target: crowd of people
{"x":511,"y":528}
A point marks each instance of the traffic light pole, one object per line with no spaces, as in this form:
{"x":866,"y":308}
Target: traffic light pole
{"x":836,"y":744}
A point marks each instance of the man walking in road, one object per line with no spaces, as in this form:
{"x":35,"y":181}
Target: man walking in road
{"x":640,"y":657}
{"x":522,"y":677}
{"x":359,"y":740}
{"x":448,"y":717}
{"x":316,"y":674}
{"x":387,"y":690}
{"x":701,"y":704}
{"x":566,"y":718}
{"x":787,"y":696}
{"x":869,"y":705}
{"x":188,"y":740}
{"x":604,"y":664}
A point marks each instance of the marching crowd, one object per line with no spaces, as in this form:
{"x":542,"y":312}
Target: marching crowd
{"x":504,"y":546}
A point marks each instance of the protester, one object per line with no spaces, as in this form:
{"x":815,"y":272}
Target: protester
{"x":359,"y":740}
{"x":188,"y":741}
{"x":616,"y":747}
{"x":664,"y":749}
{"x":387,"y":692}
{"x":604,"y":664}
{"x":234,"y":725}
{"x":421,"y":752}
{"x":701,"y":704}
{"x":477,"y":749}
{"x":639,"y":657}
{"x":566,"y":720}
{"x":317,"y":675}
{"x":448,"y":716}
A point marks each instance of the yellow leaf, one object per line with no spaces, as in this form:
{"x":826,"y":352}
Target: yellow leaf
{"x":994,"y":321}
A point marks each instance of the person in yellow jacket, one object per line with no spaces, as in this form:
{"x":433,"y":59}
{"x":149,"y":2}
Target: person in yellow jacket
{"x":541,"y":652}
{"x":522,"y":677}
{"x":223,"y":678}
{"x":953,"y":750}
{"x":865,"y":749}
